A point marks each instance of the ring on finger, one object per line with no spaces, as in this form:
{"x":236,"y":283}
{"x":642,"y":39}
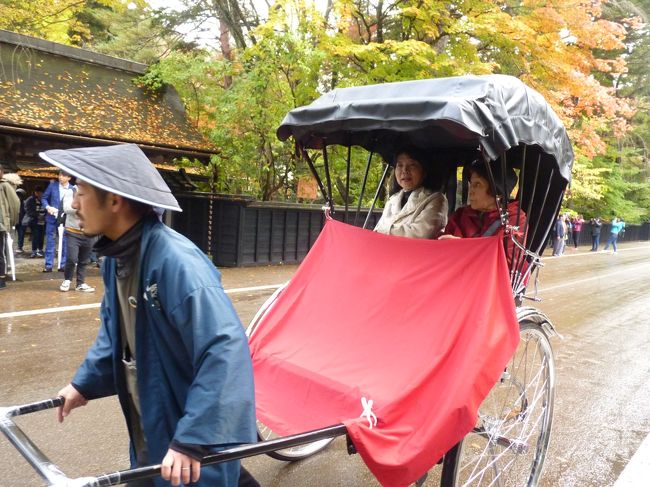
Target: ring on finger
{"x":185,"y":468}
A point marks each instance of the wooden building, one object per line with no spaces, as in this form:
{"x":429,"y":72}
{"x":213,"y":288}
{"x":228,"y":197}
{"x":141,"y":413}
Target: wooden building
{"x":54,"y":96}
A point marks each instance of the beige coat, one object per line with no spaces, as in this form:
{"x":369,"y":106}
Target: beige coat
{"x":9,"y":202}
{"x":424,"y":215}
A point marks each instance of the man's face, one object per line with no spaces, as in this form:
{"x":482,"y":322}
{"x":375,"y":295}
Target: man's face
{"x":64,"y":179}
{"x":93,"y":214}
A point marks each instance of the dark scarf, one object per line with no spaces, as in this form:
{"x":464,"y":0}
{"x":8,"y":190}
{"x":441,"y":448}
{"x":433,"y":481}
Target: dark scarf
{"x":405,"y":197}
{"x":125,"y":249}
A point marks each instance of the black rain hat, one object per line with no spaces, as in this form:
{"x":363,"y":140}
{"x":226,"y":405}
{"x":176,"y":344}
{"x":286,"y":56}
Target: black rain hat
{"x":121,"y":169}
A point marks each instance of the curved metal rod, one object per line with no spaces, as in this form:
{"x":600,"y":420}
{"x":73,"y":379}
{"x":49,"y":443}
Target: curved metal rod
{"x":312,"y":168}
{"x":328,"y":177}
{"x":374,"y":200}
{"x":235,"y":453}
{"x":363,"y":188}
{"x":347,"y":182}
{"x":55,"y":477}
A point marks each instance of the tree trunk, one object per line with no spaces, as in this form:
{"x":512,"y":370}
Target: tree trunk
{"x":226,"y":49}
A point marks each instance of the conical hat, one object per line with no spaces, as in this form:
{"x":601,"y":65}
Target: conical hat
{"x":121,"y":169}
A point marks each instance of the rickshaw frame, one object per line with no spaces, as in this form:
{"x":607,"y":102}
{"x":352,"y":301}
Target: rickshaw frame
{"x":318,"y":132}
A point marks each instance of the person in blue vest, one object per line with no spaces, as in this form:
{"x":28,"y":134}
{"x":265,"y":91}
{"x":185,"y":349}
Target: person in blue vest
{"x":170,"y":344}
{"x":51,"y":201}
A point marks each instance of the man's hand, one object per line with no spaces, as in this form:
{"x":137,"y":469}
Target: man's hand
{"x":178,"y":467}
{"x":52,"y":211}
{"x":73,"y":399}
{"x":447,"y":237}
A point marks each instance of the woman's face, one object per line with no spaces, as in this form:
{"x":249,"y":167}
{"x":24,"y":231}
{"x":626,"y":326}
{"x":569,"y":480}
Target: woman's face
{"x":479,"y":194}
{"x":409,"y":173}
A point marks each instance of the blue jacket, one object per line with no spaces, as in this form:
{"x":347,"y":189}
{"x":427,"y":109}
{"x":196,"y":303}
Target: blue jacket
{"x":51,"y":197}
{"x":194,"y":371}
{"x":617,"y":227}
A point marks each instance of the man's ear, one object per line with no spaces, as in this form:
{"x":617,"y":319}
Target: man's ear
{"x":116,"y":202}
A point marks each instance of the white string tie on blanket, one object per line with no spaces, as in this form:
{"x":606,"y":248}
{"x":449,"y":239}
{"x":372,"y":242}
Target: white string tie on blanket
{"x":367,"y":412}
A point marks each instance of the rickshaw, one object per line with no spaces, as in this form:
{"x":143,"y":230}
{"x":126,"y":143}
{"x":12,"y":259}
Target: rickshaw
{"x":499,"y":431}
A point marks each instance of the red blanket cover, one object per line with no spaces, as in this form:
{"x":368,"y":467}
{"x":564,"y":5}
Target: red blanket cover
{"x":422,"y":328}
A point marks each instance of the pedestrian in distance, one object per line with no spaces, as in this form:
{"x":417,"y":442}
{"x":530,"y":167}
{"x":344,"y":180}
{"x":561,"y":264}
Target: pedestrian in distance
{"x":596,"y":225}
{"x":578,"y":221}
{"x":560,"y":236}
{"x":20,"y":228}
{"x":614,"y":230}
{"x":35,"y":219}
{"x":51,"y":201}
{"x":170,"y":344}
{"x":9,"y":211}
{"x":621,"y":234}
{"x":79,"y":247}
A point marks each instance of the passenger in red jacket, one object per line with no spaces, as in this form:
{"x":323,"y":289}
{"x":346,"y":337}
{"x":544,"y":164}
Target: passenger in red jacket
{"x":481,"y":217}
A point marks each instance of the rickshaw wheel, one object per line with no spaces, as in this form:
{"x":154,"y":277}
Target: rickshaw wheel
{"x":290,"y":454}
{"x":509,"y":443}
{"x":265,"y":433}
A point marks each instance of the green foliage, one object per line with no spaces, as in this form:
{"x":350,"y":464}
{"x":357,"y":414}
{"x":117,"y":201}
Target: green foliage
{"x":570,"y":52}
{"x":65,"y":21}
{"x":623,"y":175}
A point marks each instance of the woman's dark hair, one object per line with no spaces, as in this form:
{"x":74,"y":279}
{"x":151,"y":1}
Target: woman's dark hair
{"x":431,"y":177}
{"x":480,"y":168}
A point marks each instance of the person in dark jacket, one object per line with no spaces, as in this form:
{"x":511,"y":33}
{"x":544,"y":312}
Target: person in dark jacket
{"x":35,"y":219}
{"x":596,"y":225}
{"x":170,"y":344}
{"x":560,"y":236}
{"x":20,"y":228}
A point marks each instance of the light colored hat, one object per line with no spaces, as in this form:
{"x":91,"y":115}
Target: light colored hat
{"x":121,"y":169}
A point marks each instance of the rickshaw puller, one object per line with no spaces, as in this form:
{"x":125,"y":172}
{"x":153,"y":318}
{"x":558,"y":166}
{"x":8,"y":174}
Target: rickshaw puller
{"x":170,"y":344}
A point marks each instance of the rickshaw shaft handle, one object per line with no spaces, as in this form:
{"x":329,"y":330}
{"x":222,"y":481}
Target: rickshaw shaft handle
{"x":36,"y":406}
{"x":234,"y":453}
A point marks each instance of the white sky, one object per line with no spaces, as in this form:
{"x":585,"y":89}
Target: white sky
{"x":211,"y":36}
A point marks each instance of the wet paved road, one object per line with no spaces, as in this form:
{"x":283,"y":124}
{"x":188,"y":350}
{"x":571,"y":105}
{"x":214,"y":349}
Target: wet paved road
{"x":598,"y":302}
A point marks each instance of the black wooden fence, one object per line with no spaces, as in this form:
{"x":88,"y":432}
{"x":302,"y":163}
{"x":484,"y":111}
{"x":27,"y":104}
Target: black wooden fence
{"x":632,"y":233}
{"x":240,"y":231}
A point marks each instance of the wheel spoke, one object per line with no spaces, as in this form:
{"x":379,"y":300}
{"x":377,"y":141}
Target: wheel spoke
{"x":508,"y":445}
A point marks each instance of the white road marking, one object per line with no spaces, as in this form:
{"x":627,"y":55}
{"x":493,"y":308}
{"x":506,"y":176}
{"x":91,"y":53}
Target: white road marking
{"x":593,"y":278}
{"x":569,"y":253}
{"x":637,"y":469}
{"x":62,"y":309}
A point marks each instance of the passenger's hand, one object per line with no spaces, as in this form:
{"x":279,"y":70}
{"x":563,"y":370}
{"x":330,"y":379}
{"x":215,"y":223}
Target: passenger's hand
{"x":447,"y":237}
{"x":178,"y":467}
{"x":52,"y":211}
{"x":73,"y":399}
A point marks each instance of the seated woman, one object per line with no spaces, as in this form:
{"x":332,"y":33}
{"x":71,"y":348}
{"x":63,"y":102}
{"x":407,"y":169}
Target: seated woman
{"x":481,"y":217}
{"x":414,"y":208}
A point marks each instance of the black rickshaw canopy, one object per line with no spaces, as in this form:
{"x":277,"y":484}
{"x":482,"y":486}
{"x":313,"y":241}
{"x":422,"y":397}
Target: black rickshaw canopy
{"x":492,"y":112}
